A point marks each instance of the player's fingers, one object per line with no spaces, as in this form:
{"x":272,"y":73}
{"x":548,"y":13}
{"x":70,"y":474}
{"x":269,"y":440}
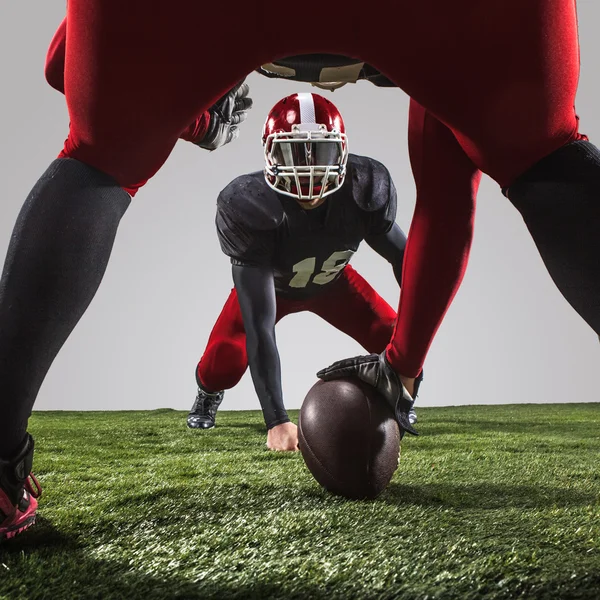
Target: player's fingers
{"x":236,"y":89}
{"x":334,"y":372}
{"x":232,"y":134}
{"x":347,"y":366}
{"x":224,"y":105}
{"x":238,"y":117}
{"x":242,"y":104}
{"x":242,"y":90}
{"x":345,"y":362}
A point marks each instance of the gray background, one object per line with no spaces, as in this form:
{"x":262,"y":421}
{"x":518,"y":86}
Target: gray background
{"x":509,"y":336}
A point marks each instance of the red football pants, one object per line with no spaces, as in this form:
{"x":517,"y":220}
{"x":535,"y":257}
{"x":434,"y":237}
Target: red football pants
{"x":500,"y":74}
{"x":350,"y":304}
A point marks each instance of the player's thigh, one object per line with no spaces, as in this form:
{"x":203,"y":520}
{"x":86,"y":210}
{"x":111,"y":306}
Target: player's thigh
{"x":502,"y":74}
{"x":229,"y":326}
{"x":353,"y":307}
{"x":137,"y":74}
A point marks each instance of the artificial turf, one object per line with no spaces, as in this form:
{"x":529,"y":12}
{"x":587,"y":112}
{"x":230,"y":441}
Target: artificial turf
{"x":498,"y":502}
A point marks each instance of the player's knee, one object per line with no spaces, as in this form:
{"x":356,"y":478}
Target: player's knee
{"x":387,"y":328}
{"x":131,"y":189}
{"x":70,"y":178}
{"x":131,"y":176}
{"x":223,"y":366}
{"x":381,"y":333}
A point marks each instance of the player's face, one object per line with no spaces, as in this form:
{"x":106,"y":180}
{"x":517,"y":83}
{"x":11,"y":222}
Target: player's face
{"x":310,"y":204}
{"x":311,"y":160}
{"x":300,"y":153}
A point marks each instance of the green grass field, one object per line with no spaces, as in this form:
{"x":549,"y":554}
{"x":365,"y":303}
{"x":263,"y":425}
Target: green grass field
{"x":494,"y":502}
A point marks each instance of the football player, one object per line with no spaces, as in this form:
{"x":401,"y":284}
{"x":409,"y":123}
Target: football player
{"x":213,"y":128}
{"x":290,"y":232}
{"x":499,"y":78}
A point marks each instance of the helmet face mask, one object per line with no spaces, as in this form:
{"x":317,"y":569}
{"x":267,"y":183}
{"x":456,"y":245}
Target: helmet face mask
{"x":305,"y":159}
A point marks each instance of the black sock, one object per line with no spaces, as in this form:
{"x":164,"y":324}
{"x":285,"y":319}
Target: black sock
{"x":559,"y":199}
{"x":56,"y":259}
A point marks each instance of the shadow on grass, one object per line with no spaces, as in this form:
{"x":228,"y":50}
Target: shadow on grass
{"x":44,"y":563}
{"x":259,"y":427}
{"x":486,"y":496}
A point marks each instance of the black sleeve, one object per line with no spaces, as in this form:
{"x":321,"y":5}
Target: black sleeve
{"x":256,"y":294}
{"x":244,"y":244}
{"x":383,"y":218}
{"x":390,"y":246}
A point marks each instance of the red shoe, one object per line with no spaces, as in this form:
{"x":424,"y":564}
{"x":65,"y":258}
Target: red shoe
{"x":19,"y":491}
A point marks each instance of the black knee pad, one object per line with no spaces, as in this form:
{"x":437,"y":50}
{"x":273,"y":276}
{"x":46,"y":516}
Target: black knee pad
{"x":74,"y":177}
{"x":577,"y":162}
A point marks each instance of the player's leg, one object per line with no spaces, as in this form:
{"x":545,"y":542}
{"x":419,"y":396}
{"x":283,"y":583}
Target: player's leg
{"x":439,"y":239}
{"x":54,"y":69}
{"x":503,"y":76}
{"x":224,"y":360}
{"x":130,"y":88}
{"x":222,"y":365}
{"x":351,"y":305}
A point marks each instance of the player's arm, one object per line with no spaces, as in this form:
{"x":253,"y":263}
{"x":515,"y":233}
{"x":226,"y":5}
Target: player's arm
{"x":214,"y":128}
{"x":390,"y":246}
{"x":219,"y":125}
{"x":256,"y":294}
{"x":383,"y":233}
{"x":247,"y":234}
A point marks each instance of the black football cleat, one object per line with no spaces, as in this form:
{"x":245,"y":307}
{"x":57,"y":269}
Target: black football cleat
{"x":19,"y":491}
{"x":204,"y":411}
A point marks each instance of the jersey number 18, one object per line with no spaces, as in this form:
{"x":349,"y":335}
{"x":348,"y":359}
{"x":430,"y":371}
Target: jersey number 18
{"x":305,"y":269}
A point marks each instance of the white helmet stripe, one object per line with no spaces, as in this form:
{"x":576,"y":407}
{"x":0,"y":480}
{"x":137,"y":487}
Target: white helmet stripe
{"x":307,"y":108}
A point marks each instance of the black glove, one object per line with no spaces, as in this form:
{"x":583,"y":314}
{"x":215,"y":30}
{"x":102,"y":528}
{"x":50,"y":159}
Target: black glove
{"x":225,"y":116}
{"x":375,"y":370}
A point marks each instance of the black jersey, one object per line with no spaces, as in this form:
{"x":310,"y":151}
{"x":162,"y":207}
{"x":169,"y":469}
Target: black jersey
{"x":307,"y":249}
{"x":324,"y":68}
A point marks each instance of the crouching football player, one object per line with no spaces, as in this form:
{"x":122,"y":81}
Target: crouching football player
{"x":290,"y":232}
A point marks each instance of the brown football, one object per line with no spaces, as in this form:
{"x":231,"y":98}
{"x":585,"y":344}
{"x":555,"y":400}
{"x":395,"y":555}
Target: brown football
{"x":349,"y":438}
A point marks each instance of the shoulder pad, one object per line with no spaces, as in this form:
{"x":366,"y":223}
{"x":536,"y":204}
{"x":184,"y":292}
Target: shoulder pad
{"x":250,"y":200}
{"x":372,"y":185}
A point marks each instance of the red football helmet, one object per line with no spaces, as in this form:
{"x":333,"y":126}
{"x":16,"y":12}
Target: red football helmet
{"x":306,"y":149}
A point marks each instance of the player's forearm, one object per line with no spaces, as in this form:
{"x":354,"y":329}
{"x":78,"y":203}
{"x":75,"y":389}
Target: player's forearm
{"x":265,"y":368}
{"x":256,"y":295}
{"x":397,"y":268}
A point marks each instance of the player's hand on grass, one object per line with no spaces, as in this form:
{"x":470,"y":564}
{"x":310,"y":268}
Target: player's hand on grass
{"x":225,"y":116}
{"x":375,"y":370}
{"x":283,"y":438}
